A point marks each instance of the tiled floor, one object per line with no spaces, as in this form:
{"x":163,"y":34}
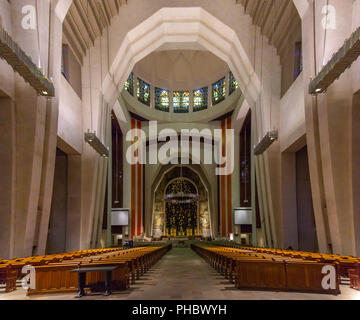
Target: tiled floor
{"x":181,"y":274}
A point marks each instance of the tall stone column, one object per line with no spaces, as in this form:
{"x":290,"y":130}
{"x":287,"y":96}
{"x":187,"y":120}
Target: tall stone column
{"x":30,"y":122}
{"x":328,"y":123}
{"x":54,"y":37}
{"x":7,"y":173}
{"x":38,"y":31}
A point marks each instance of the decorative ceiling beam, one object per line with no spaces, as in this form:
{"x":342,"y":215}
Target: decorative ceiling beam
{"x":70,"y":32}
{"x":75,"y":29}
{"x":74,"y":46}
{"x":84,"y":20}
{"x":21,"y":63}
{"x":340,"y":61}
{"x":95,"y":12}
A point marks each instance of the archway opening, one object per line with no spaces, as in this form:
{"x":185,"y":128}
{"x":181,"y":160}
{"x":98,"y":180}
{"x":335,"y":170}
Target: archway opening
{"x":181,"y":205}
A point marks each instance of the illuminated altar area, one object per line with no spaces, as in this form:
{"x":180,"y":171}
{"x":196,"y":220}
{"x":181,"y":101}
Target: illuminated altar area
{"x":181,"y":206}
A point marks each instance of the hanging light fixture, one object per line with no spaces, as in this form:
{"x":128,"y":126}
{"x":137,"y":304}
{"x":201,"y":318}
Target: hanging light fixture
{"x":337,"y":65}
{"x":11,"y":52}
{"x":90,"y":137}
{"x":272,"y":135}
{"x":96,"y":144}
{"x":266,"y":142}
{"x":181,"y":196}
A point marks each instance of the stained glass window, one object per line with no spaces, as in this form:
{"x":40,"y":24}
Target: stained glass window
{"x":181,"y":101}
{"x":219,"y":91}
{"x":129,"y":84}
{"x":162,"y":99}
{"x":298,"y":67}
{"x":200,"y":99}
{"x":234,"y":85}
{"x":143,"y":92}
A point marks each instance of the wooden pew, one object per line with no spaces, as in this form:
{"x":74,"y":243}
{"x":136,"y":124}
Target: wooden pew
{"x":8,"y":277}
{"x":56,"y":277}
{"x":354,"y":275}
{"x":11,"y":269}
{"x":267,"y":271}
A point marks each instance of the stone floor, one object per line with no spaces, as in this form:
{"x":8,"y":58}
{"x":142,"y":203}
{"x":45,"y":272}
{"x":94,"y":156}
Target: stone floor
{"x":182,"y":275}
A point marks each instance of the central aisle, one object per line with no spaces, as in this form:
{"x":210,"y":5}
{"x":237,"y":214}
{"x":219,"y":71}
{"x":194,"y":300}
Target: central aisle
{"x":181,"y":274}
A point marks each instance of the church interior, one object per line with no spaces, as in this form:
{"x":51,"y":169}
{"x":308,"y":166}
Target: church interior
{"x":183,"y":149}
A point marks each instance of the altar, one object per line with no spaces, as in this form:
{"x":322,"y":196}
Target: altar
{"x":181,"y":207}
{"x":182,"y":242}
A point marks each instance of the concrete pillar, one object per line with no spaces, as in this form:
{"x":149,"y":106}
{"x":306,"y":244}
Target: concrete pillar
{"x":8,"y":175}
{"x":191,"y":107}
{"x":152,"y":96}
{"x":30,"y":128}
{"x":328,"y":119}
{"x":171,"y":97}
{"x":288,"y":197}
{"x":53,"y":25}
{"x":210,"y":105}
{"x":74,"y":205}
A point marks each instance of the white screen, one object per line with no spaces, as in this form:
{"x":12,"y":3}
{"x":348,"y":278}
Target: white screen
{"x":120,"y":217}
{"x":243,"y":216}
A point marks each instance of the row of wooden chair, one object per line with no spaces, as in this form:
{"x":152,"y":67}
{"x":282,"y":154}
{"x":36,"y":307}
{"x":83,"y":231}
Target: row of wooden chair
{"x":345,"y":262}
{"x":53,"y":272}
{"x":265,"y":271}
{"x":10,"y":270}
{"x":131,"y":265}
{"x":347,"y":266}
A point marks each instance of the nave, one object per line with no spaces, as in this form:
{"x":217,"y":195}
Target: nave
{"x":183,"y":275}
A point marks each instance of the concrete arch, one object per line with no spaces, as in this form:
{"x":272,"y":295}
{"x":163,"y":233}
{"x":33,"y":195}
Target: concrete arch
{"x":178,"y":27}
{"x":183,"y":27}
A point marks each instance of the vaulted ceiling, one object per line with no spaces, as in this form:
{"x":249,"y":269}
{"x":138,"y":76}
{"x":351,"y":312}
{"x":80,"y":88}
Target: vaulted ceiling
{"x":85,"y":21}
{"x":87,"y":18}
{"x":277,"y":19}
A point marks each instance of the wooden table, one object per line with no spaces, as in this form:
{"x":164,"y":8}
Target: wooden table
{"x":82,"y":278}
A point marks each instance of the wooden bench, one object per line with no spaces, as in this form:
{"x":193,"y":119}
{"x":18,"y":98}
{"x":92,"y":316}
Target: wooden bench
{"x":266,"y":271}
{"x":8,"y":277}
{"x":10,"y":270}
{"x":130,"y":265}
{"x":354,"y":275}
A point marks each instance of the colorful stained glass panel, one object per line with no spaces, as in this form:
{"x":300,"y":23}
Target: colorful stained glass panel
{"x":129,"y":84}
{"x":143,"y":92}
{"x":234,"y":85}
{"x":181,"y":101}
{"x":219,"y":91}
{"x":200,"y":99}
{"x":162,"y":99}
